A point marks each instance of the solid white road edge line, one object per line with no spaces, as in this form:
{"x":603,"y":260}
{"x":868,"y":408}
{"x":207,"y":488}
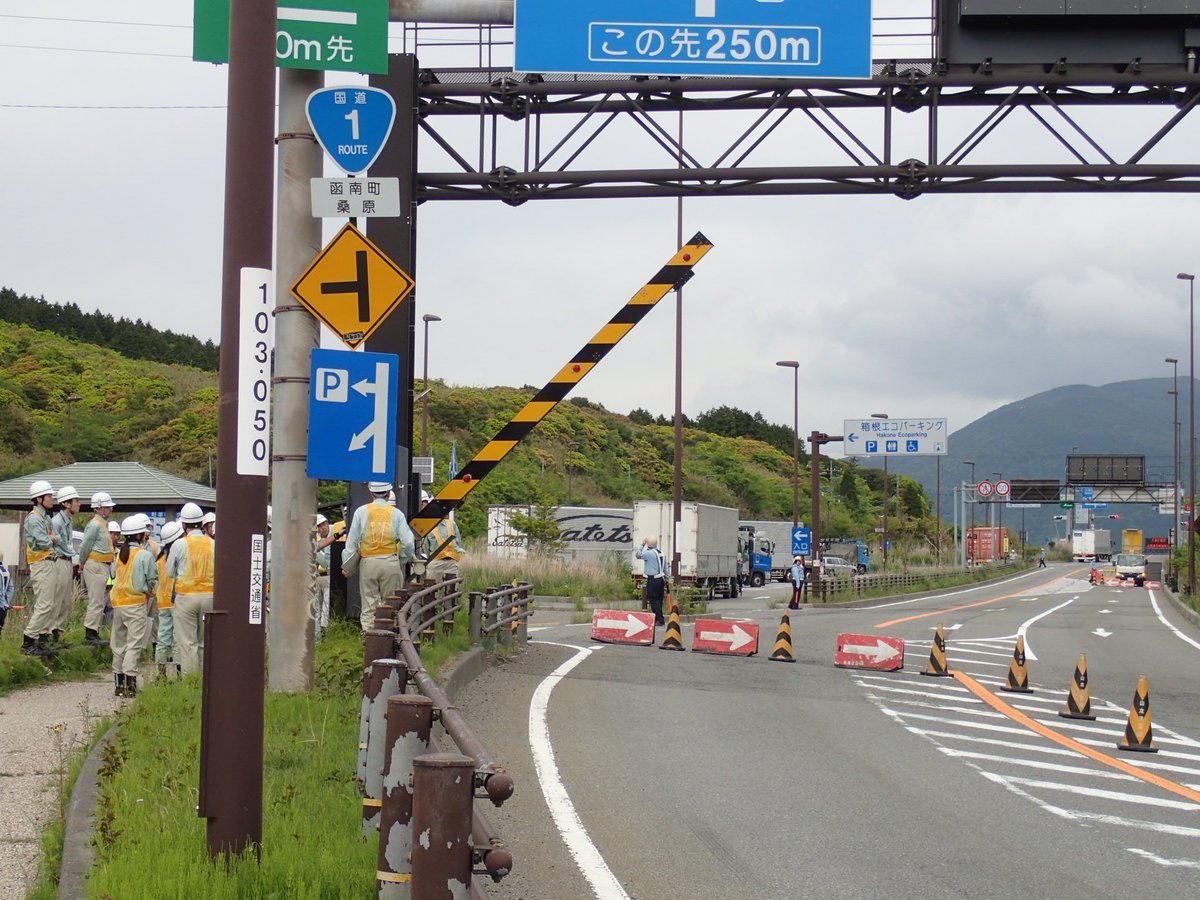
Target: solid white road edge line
{"x":1162,"y":618}
{"x":604,"y":883}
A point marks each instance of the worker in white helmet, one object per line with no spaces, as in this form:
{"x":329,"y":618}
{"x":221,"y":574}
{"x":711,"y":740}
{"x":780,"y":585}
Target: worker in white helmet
{"x":39,"y":553}
{"x":134,"y":585}
{"x":190,"y":563}
{"x":150,"y":638}
{"x":442,"y":546}
{"x":209,"y":524}
{"x":63,"y":523}
{"x":165,"y":656}
{"x":381,"y":540}
{"x":96,"y":557}
{"x":323,"y":539}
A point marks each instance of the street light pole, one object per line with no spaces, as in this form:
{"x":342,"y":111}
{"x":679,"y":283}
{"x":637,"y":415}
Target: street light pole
{"x":974,"y":489}
{"x":1191,"y":280}
{"x":795,"y":367}
{"x":427,"y":318}
{"x":70,"y":400}
{"x":999,"y":513}
{"x":885,"y":494}
{"x":1175,"y":498}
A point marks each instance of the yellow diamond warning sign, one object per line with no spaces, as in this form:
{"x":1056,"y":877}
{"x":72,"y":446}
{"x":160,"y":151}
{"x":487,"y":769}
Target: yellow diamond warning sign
{"x":352,"y":286}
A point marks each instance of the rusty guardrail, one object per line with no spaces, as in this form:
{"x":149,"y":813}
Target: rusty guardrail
{"x":406,"y":789}
{"x":859,"y":585}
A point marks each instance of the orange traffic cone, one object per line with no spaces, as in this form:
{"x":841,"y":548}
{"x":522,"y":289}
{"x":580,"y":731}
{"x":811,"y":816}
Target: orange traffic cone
{"x":937,"y":655}
{"x":783,"y":642}
{"x":1018,"y":676}
{"x":673,"y":639}
{"x":1138,"y":735}
{"x":1079,"y":699}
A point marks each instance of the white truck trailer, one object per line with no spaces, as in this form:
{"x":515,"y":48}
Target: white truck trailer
{"x":587,"y":532}
{"x":1090,"y":545}
{"x":707,"y":543}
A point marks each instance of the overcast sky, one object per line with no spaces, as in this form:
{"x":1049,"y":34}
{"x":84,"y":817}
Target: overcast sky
{"x":112,"y":151}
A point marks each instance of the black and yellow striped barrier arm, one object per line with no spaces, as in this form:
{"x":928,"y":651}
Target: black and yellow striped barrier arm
{"x":670,"y":277}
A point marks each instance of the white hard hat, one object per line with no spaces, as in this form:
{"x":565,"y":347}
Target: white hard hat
{"x":100,"y":498}
{"x":321,"y":520}
{"x":40,"y":489}
{"x":170,"y":532}
{"x":114,"y":526}
{"x":65,"y":493}
{"x":379,"y":487}
{"x":391,"y":498}
{"x":210,"y":518}
{"x":135,"y":524}
{"x":191,"y":513}
{"x":425,"y":498}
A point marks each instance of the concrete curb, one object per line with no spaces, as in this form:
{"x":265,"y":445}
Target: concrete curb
{"x":1180,"y":607}
{"x":78,"y":853}
{"x":464,"y":669}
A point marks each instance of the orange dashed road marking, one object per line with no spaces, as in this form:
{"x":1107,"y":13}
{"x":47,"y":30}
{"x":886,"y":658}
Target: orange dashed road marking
{"x":942,"y":612}
{"x":1062,"y":740}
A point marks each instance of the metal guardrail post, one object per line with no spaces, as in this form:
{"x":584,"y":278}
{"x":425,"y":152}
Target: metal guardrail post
{"x":523,"y":610}
{"x":372,"y":685}
{"x":489,"y":620}
{"x":378,"y":644}
{"x":475,"y":616}
{"x":390,"y":676}
{"x":447,"y":590}
{"x":442,"y":797}
{"x":409,"y":726}
{"x":503,"y":608}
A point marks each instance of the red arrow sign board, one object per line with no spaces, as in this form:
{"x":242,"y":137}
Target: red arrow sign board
{"x":613,"y":626}
{"x":869,"y":651}
{"x":728,"y":638}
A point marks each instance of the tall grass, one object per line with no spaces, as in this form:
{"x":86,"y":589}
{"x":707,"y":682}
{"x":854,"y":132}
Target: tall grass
{"x":604,"y":579}
{"x":18,"y":670}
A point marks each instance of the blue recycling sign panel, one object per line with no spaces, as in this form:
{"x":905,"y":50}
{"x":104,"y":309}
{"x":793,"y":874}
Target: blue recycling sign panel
{"x":352,"y":123}
{"x":801,"y":542}
{"x":779,"y":38}
{"x":352,"y":415}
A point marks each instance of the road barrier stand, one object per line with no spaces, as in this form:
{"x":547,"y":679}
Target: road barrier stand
{"x":1018,"y":674}
{"x":1138,"y":734}
{"x":783,"y":642}
{"x":1079,"y":697}
{"x":388,"y":677}
{"x":409,"y":726}
{"x":443,"y":793}
{"x":673,"y":639}
{"x":936,"y":666}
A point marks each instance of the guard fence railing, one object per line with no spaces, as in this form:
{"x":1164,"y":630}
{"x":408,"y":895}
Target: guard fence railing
{"x":407,"y":789}
{"x":836,"y":587}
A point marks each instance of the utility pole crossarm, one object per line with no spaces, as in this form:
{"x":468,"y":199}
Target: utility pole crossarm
{"x":672,"y":276}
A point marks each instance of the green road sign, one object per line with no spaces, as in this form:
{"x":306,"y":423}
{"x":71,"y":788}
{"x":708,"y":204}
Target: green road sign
{"x":1066,"y":506}
{"x":333,"y":35}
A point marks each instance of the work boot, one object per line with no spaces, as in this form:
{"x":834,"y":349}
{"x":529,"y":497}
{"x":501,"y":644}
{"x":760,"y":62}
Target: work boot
{"x":43,"y":645}
{"x":92,"y":638}
{"x":178,"y":671}
{"x":57,"y":642}
{"x":29,"y":646}
{"x":118,"y":685}
{"x":130,"y":685}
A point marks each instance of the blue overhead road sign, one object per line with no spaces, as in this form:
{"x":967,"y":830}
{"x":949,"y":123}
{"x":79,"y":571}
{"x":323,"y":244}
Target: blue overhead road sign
{"x":352,"y":123}
{"x":894,"y":437}
{"x":352,"y":415}
{"x":782,"y":38}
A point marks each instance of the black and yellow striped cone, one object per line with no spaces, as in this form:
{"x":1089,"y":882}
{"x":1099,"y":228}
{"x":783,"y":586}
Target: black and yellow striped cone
{"x":1079,"y":699}
{"x":1018,"y":675}
{"x":673,"y":639}
{"x":1138,"y":735}
{"x":783,"y":642}
{"x":937,"y":655}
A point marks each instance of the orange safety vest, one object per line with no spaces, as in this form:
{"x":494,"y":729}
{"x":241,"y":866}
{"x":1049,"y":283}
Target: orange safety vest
{"x":378,"y":539}
{"x":36,"y":556}
{"x":444,"y":531}
{"x":166,"y":586}
{"x":198,"y":579}
{"x":97,"y":555}
{"x":122,"y":593}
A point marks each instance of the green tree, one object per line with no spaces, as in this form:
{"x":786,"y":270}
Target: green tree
{"x":847,"y":489}
{"x":540,"y":529}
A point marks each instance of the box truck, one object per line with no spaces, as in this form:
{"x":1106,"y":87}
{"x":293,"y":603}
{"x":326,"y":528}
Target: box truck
{"x":1090,"y":545}
{"x":586,"y":532}
{"x":778,"y":556}
{"x":708,"y":543}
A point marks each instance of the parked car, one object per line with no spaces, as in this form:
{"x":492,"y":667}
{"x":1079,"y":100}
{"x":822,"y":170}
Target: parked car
{"x":838,"y":567}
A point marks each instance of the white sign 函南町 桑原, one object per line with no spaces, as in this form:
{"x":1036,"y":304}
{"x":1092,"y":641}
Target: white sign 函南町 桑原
{"x":895,"y":437}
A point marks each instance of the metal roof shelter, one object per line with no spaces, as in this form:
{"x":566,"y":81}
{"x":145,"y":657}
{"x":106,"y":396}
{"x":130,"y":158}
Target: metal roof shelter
{"x":133,"y":485}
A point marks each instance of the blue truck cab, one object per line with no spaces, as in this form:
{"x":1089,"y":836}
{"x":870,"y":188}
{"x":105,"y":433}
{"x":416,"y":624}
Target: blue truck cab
{"x":754,"y":557}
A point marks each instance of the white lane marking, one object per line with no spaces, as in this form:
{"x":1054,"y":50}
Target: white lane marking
{"x":1023,"y":630}
{"x":1179,"y":634}
{"x":992,"y":742}
{"x":579,"y":844}
{"x":944,"y":720}
{"x":983,"y":713}
{"x":1169,"y":863}
{"x":1162,"y":802}
{"x":951,"y":594}
{"x":1036,"y":764}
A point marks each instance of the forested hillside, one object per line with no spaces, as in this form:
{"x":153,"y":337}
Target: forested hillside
{"x":581,"y":454}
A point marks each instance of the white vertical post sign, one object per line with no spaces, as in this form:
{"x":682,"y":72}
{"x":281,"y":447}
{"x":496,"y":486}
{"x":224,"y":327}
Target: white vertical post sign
{"x":258,"y":568}
{"x":256,"y":343}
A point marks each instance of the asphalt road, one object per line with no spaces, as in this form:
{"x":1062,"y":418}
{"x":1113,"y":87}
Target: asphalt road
{"x":644,"y":773}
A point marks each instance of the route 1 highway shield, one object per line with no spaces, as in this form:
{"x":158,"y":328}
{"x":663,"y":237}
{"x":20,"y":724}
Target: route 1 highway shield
{"x":618,"y":626}
{"x":869,"y":651}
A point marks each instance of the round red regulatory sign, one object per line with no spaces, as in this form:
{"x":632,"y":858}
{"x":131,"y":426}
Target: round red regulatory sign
{"x":1003,"y":488}
{"x":985,"y":488}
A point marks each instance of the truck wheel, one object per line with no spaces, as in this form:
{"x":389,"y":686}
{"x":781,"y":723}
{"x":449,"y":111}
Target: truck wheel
{"x":757,"y":580}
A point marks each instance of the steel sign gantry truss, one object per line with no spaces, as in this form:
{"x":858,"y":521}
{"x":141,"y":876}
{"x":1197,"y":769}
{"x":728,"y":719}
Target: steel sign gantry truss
{"x":533,"y":133}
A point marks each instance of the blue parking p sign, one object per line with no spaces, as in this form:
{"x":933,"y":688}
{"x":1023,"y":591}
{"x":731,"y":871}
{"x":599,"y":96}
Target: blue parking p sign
{"x":801,"y":542}
{"x":352,"y":415}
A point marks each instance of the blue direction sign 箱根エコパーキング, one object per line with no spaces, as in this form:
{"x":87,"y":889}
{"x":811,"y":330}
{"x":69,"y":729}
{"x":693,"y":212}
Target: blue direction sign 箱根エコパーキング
{"x":352,"y":124}
{"x":894,"y":437}
{"x":351,"y":416}
{"x":781,"y":38}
